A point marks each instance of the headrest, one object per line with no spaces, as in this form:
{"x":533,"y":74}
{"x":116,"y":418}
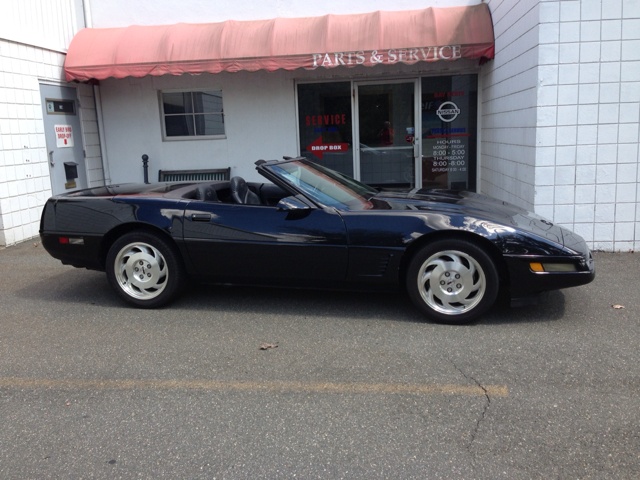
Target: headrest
{"x":206,"y":193}
{"x":238,"y":185}
{"x":240,"y":192}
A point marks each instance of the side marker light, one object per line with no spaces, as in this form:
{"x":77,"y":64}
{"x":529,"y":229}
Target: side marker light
{"x":552,"y":267}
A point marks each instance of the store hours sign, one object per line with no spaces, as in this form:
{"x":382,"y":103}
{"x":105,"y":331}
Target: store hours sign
{"x":449,"y":155}
{"x":448,"y":145}
{"x":449,"y":124}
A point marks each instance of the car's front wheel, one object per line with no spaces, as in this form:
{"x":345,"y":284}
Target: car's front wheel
{"x":452,"y":281}
{"x":145,"y":269}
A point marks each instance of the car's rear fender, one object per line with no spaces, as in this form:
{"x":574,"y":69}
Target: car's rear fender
{"x":110,"y":238}
{"x":99,"y":221}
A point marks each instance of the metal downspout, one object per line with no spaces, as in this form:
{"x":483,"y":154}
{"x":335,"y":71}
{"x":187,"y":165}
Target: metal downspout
{"x":86,"y":6}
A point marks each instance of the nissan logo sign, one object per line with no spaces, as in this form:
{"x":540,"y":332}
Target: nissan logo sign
{"x":448,"y":111}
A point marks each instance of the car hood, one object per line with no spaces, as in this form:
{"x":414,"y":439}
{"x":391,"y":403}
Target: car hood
{"x":474,"y":207}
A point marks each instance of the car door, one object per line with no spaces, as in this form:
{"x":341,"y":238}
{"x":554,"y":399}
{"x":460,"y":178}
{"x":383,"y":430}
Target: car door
{"x":259,"y":244}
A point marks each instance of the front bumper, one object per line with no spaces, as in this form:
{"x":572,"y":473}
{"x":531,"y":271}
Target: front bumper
{"x":523,"y":282}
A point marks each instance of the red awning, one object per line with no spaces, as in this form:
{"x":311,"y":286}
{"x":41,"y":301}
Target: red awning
{"x":289,"y":43}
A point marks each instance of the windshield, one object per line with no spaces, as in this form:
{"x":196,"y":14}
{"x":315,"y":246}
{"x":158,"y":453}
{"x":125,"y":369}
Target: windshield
{"x":326,"y":186}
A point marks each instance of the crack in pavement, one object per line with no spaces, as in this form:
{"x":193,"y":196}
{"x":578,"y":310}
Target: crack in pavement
{"x":484,"y":410}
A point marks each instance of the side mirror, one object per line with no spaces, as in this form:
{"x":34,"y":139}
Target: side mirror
{"x":292,"y":204}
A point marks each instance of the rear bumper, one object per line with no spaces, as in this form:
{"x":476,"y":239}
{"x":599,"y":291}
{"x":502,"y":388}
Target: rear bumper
{"x":523,"y":282}
{"x":86,"y":255}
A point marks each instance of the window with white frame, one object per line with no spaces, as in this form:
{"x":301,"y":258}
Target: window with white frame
{"x":189,"y":114}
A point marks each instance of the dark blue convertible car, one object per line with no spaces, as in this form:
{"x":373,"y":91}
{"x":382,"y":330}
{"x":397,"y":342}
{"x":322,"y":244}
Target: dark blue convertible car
{"x":309,"y":226}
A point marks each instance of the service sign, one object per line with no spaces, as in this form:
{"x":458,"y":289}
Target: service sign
{"x":64,"y":136}
{"x":325,"y":126}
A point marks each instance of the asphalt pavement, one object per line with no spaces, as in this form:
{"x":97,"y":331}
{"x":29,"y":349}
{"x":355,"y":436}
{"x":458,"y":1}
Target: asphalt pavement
{"x":350,"y":385}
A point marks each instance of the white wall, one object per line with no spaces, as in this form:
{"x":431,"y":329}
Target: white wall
{"x":259,"y":123}
{"x":50,"y":24}
{"x":589,"y":108}
{"x":24,"y":171}
{"x":509,"y":89}
{"x":122,"y":13}
{"x":33,"y":35}
{"x":561,"y":115}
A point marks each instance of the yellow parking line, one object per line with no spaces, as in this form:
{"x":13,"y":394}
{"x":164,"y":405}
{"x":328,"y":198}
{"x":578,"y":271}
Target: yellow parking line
{"x":379,"y":388}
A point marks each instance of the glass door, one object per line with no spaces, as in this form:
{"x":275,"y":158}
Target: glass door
{"x":385,"y":144}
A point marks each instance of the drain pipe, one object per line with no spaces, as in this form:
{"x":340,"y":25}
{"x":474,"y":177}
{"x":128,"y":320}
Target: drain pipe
{"x":103,"y":146}
{"x":88,"y":23}
{"x":86,"y":10}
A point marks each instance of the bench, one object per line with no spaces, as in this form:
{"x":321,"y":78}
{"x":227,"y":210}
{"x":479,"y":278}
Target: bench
{"x":194,"y":175}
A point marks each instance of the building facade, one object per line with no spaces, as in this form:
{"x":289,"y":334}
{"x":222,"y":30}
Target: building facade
{"x":550,"y":123}
{"x":34,"y":37}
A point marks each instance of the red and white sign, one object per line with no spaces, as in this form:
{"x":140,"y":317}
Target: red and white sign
{"x":64,"y":136}
{"x":318,"y":148}
{"x":408,"y":139}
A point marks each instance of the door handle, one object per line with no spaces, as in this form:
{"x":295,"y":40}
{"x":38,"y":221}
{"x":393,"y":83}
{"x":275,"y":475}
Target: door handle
{"x":200,"y":217}
{"x":51,"y":158}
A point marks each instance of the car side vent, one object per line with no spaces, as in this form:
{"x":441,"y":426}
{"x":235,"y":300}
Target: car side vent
{"x":194,"y":175}
{"x":369,"y":263}
{"x":384,"y":263}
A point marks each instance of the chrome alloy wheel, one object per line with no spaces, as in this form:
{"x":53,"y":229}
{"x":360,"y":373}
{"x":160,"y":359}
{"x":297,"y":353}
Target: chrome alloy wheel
{"x":451,"y":282}
{"x":141,"y":271}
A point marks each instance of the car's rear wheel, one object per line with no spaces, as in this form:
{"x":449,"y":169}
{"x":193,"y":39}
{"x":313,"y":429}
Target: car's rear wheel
{"x":452,"y":281}
{"x":145,"y":269}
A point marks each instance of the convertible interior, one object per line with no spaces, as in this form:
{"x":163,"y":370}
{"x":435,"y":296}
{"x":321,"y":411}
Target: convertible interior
{"x":235,"y":191}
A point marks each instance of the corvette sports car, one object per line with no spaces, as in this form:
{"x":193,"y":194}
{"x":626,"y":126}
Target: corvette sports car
{"x":308,"y":226}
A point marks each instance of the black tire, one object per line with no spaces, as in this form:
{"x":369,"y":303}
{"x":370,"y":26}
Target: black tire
{"x":465,"y":281}
{"x":145,"y":269}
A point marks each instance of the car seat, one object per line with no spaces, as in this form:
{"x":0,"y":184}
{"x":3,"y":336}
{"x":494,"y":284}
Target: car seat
{"x":241,"y":194}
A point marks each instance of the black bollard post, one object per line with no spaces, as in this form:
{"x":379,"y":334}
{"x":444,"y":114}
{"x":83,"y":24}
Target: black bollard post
{"x":145,"y":167}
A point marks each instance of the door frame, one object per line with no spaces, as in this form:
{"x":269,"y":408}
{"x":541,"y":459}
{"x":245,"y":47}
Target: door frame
{"x":417,"y":123}
{"x":79,"y":113}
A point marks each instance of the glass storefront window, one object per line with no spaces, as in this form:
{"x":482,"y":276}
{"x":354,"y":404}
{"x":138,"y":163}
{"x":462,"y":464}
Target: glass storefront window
{"x":449,"y":132}
{"x":324,"y":112}
{"x":441,"y":124}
